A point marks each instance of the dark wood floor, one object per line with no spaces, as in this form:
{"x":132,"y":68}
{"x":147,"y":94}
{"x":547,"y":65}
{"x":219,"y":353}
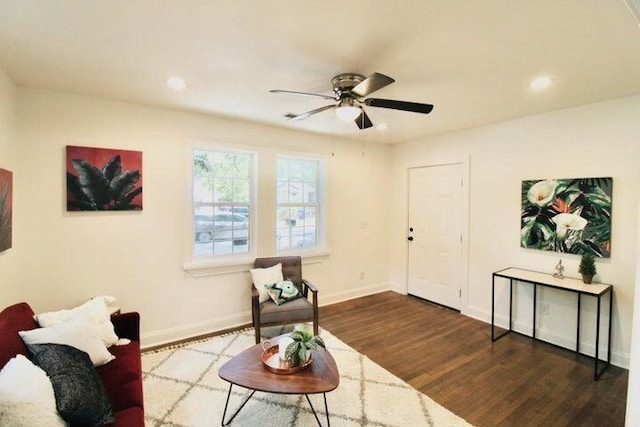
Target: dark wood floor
{"x":514,"y":381}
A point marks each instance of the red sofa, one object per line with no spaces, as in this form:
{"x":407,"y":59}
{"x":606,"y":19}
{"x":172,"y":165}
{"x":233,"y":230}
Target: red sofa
{"x":122,"y":377}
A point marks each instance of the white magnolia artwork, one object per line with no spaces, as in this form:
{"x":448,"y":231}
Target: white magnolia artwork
{"x":567,"y":215}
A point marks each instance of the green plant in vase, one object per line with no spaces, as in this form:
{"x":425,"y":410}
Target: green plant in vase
{"x":587,"y":268}
{"x":303,"y":343}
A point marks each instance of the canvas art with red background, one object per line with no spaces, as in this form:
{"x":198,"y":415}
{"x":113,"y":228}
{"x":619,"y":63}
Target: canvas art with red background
{"x":103,"y":179}
{"x":6,"y":196}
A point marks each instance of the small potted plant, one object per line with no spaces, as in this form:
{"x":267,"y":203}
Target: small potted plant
{"x":299,"y":351}
{"x":587,"y":268}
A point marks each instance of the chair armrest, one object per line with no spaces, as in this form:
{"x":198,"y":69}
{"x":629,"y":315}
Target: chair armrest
{"x":310,"y":286}
{"x":127,"y":325}
{"x":255,"y":299}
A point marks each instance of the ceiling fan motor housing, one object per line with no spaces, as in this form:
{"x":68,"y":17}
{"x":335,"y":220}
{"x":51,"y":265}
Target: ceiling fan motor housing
{"x":343,"y":83}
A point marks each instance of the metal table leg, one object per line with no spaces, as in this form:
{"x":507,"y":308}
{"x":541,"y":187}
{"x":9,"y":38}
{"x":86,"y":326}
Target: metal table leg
{"x":535,"y":308}
{"x":226,"y":423}
{"x":493,"y":285}
{"x":493,"y":306}
{"x":326,"y":409}
{"x":596,"y":372}
{"x":595,"y":368}
{"x":578,"y":327}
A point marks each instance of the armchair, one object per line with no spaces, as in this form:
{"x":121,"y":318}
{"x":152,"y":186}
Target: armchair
{"x":299,"y":310}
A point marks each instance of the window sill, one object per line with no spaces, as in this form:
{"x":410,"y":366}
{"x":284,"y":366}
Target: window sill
{"x":213,"y":268}
{"x":244,"y":264}
{"x":308,"y":257}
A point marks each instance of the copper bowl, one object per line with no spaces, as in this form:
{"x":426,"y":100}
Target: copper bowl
{"x":272,"y":362}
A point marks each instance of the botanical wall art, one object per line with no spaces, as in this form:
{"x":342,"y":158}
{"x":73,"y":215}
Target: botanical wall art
{"x":567,"y":215}
{"x":6,"y":194}
{"x":100,"y":179}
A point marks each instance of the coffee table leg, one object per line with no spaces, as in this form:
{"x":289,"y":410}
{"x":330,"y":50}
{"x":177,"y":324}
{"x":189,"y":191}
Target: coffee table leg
{"x":326,"y":409}
{"x":224,"y":414}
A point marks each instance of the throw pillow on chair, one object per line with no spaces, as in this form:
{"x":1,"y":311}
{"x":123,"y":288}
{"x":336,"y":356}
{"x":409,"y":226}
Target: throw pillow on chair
{"x":283,"y":292}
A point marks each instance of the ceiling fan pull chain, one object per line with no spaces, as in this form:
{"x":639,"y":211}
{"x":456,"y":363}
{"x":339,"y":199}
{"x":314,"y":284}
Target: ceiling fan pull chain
{"x":333,"y":153}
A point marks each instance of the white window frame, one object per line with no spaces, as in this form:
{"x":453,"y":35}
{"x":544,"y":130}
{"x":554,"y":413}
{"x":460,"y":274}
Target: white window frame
{"x":320,"y":206}
{"x":262,"y":214}
{"x":198,"y":261}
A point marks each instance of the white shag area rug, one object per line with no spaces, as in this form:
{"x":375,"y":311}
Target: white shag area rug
{"x":182,"y":388}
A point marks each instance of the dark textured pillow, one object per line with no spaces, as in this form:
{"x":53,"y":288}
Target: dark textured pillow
{"x":81,"y":398}
{"x":282,"y":292}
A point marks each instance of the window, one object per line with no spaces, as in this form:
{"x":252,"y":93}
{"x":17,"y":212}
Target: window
{"x":222,"y":195}
{"x":298,"y":203}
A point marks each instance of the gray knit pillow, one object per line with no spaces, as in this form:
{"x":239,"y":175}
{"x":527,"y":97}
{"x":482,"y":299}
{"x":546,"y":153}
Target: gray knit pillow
{"x":81,"y":398}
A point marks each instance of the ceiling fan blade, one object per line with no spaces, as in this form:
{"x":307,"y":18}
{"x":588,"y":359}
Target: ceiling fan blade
{"x":315,"y":95}
{"x":371,"y":84}
{"x":363,"y":121}
{"x":302,"y":116}
{"x":414,"y":107}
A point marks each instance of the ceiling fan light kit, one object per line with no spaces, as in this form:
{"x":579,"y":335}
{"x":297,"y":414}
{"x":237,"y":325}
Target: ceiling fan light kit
{"x":347,"y":110}
{"x":350,"y":90}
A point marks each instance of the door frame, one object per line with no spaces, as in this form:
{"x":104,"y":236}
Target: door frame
{"x":464,"y":249}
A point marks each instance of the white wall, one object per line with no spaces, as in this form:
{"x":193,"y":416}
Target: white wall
{"x":588,"y":141}
{"x":8,"y":144}
{"x":633,"y":392}
{"x":7,"y":120}
{"x":59,"y":259}
{"x":67,"y":257}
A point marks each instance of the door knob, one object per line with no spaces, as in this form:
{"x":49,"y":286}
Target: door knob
{"x":410,"y":238}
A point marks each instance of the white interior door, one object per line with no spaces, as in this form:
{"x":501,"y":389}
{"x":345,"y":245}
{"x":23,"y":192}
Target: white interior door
{"x":435,"y":234}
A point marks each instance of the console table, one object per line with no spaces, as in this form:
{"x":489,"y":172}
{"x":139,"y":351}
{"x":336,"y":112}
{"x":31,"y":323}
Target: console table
{"x":597,"y":290}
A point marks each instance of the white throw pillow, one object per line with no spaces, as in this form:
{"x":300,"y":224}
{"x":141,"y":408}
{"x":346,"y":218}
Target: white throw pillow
{"x":96,"y":307}
{"x":77,"y":331}
{"x":266,"y":276}
{"x":26,"y":396}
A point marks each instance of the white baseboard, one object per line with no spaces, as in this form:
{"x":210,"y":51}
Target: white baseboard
{"x":618,"y":358}
{"x":178,"y":333}
{"x":354,"y":293}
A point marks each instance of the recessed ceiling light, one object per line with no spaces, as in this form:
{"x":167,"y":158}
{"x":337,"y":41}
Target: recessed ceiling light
{"x":176,"y":83}
{"x":382,"y":126}
{"x":540,"y":83}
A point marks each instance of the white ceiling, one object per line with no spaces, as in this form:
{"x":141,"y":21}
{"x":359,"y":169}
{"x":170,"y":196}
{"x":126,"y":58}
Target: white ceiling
{"x":472,"y":59}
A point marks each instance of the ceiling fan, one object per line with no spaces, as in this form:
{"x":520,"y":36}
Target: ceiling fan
{"x":350,"y":89}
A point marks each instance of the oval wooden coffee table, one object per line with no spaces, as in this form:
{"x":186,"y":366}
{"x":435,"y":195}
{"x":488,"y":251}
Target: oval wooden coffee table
{"x":246,"y":370}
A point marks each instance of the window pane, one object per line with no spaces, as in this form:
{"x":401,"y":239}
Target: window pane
{"x":221,"y":201}
{"x":230,"y":165}
{"x":282,"y":170}
{"x":283,"y":216}
{"x":298,"y":203}
{"x":309,"y":192}
{"x":283,"y":194}
{"x":308,"y":214}
{"x":222,"y":190}
{"x":282,"y":236}
{"x":241,"y":190}
{"x":295,"y":190}
{"x":310,"y":169}
{"x":241,"y":210}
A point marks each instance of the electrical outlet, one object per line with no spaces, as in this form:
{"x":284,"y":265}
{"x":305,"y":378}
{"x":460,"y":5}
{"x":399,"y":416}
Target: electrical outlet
{"x":544,"y":308}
